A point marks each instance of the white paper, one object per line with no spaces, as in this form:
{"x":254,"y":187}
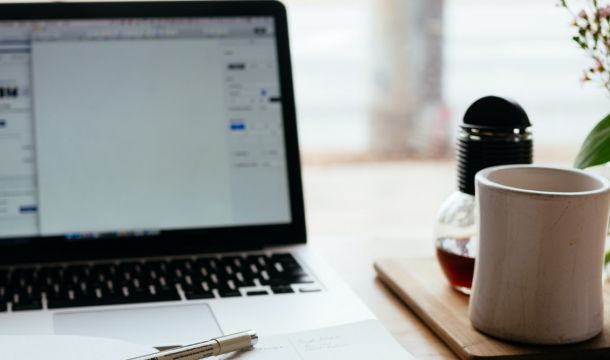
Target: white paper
{"x":67,"y":347}
{"x":364,"y":340}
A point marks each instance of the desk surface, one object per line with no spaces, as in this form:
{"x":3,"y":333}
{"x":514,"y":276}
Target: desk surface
{"x":357,"y":213}
{"x":360,"y":212}
{"x":355,"y":266}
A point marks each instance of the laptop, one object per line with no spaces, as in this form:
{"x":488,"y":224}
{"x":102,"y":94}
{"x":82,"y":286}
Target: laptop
{"x":150,"y":185}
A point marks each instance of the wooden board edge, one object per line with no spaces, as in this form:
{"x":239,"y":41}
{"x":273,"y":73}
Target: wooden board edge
{"x":383,"y":269}
{"x":412,"y":305}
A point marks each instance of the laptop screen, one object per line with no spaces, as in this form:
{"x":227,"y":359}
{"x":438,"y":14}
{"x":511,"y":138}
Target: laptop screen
{"x":130,"y":127}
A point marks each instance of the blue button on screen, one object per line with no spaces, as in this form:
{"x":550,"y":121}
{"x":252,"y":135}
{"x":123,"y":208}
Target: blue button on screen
{"x":27,"y":209}
{"x":238,"y":126}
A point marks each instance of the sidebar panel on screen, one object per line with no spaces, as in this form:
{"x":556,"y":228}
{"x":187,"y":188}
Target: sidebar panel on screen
{"x":18,"y":203}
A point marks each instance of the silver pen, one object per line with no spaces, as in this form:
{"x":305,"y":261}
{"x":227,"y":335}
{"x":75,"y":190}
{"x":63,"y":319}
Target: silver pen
{"x":217,"y":346}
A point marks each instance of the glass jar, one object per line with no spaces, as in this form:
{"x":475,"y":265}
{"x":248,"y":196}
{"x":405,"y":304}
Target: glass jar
{"x":455,"y":235}
{"x":495,"y":131}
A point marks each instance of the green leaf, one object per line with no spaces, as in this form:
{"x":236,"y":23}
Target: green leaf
{"x":607,"y":258}
{"x":595,"y":150}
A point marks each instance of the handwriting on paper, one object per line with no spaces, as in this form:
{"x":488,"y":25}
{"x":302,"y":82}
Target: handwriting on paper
{"x":359,"y":341}
{"x":319,"y":343}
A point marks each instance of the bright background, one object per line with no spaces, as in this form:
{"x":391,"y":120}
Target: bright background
{"x":516,"y":48}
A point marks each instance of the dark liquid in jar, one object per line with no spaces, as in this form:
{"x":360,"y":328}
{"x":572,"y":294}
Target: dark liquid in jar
{"x":457,"y":263}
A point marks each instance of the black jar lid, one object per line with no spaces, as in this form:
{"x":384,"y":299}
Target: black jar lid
{"x":496,"y":131}
{"x":495,"y":113}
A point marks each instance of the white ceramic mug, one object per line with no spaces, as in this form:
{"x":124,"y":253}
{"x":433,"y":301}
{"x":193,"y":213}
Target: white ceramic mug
{"x":538,"y":271}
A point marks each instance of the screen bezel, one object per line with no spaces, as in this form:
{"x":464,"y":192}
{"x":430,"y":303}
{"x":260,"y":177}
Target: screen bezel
{"x":192,"y":241}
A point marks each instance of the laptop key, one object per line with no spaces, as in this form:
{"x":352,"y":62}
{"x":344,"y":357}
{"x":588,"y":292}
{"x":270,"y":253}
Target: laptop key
{"x":59,"y":302}
{"x":189,"y":294}
{"x":228,"y":292}
{"x":4,"y":277}
{"x":140,"y":295}
{"x":29,"y":305}
{"x":112,"y":298}
{"x":198,"y":290}
{"x":166,"y":296}
{"x":257,"y":292}
{"x":151,"y":293}
{"x":312,"y":290}
{"x":84,"y":301}
{"x":159,"y":267}
{"x":26,"y":301}
{"x":282,"y":289}
{"x":243,"y":281}
{"x":236,"y":262}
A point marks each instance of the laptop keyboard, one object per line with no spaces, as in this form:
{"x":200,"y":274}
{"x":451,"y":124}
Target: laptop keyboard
{"x":128,"y":282}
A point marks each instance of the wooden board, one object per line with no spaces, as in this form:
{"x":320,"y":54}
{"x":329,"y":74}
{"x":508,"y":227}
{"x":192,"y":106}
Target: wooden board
{"x":420,"y":284}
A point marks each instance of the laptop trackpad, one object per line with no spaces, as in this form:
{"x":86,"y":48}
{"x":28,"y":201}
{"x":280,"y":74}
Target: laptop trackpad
{"x":156,"y":326}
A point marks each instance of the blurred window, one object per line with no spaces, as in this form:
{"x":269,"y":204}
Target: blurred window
{"x":358,"y":65}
